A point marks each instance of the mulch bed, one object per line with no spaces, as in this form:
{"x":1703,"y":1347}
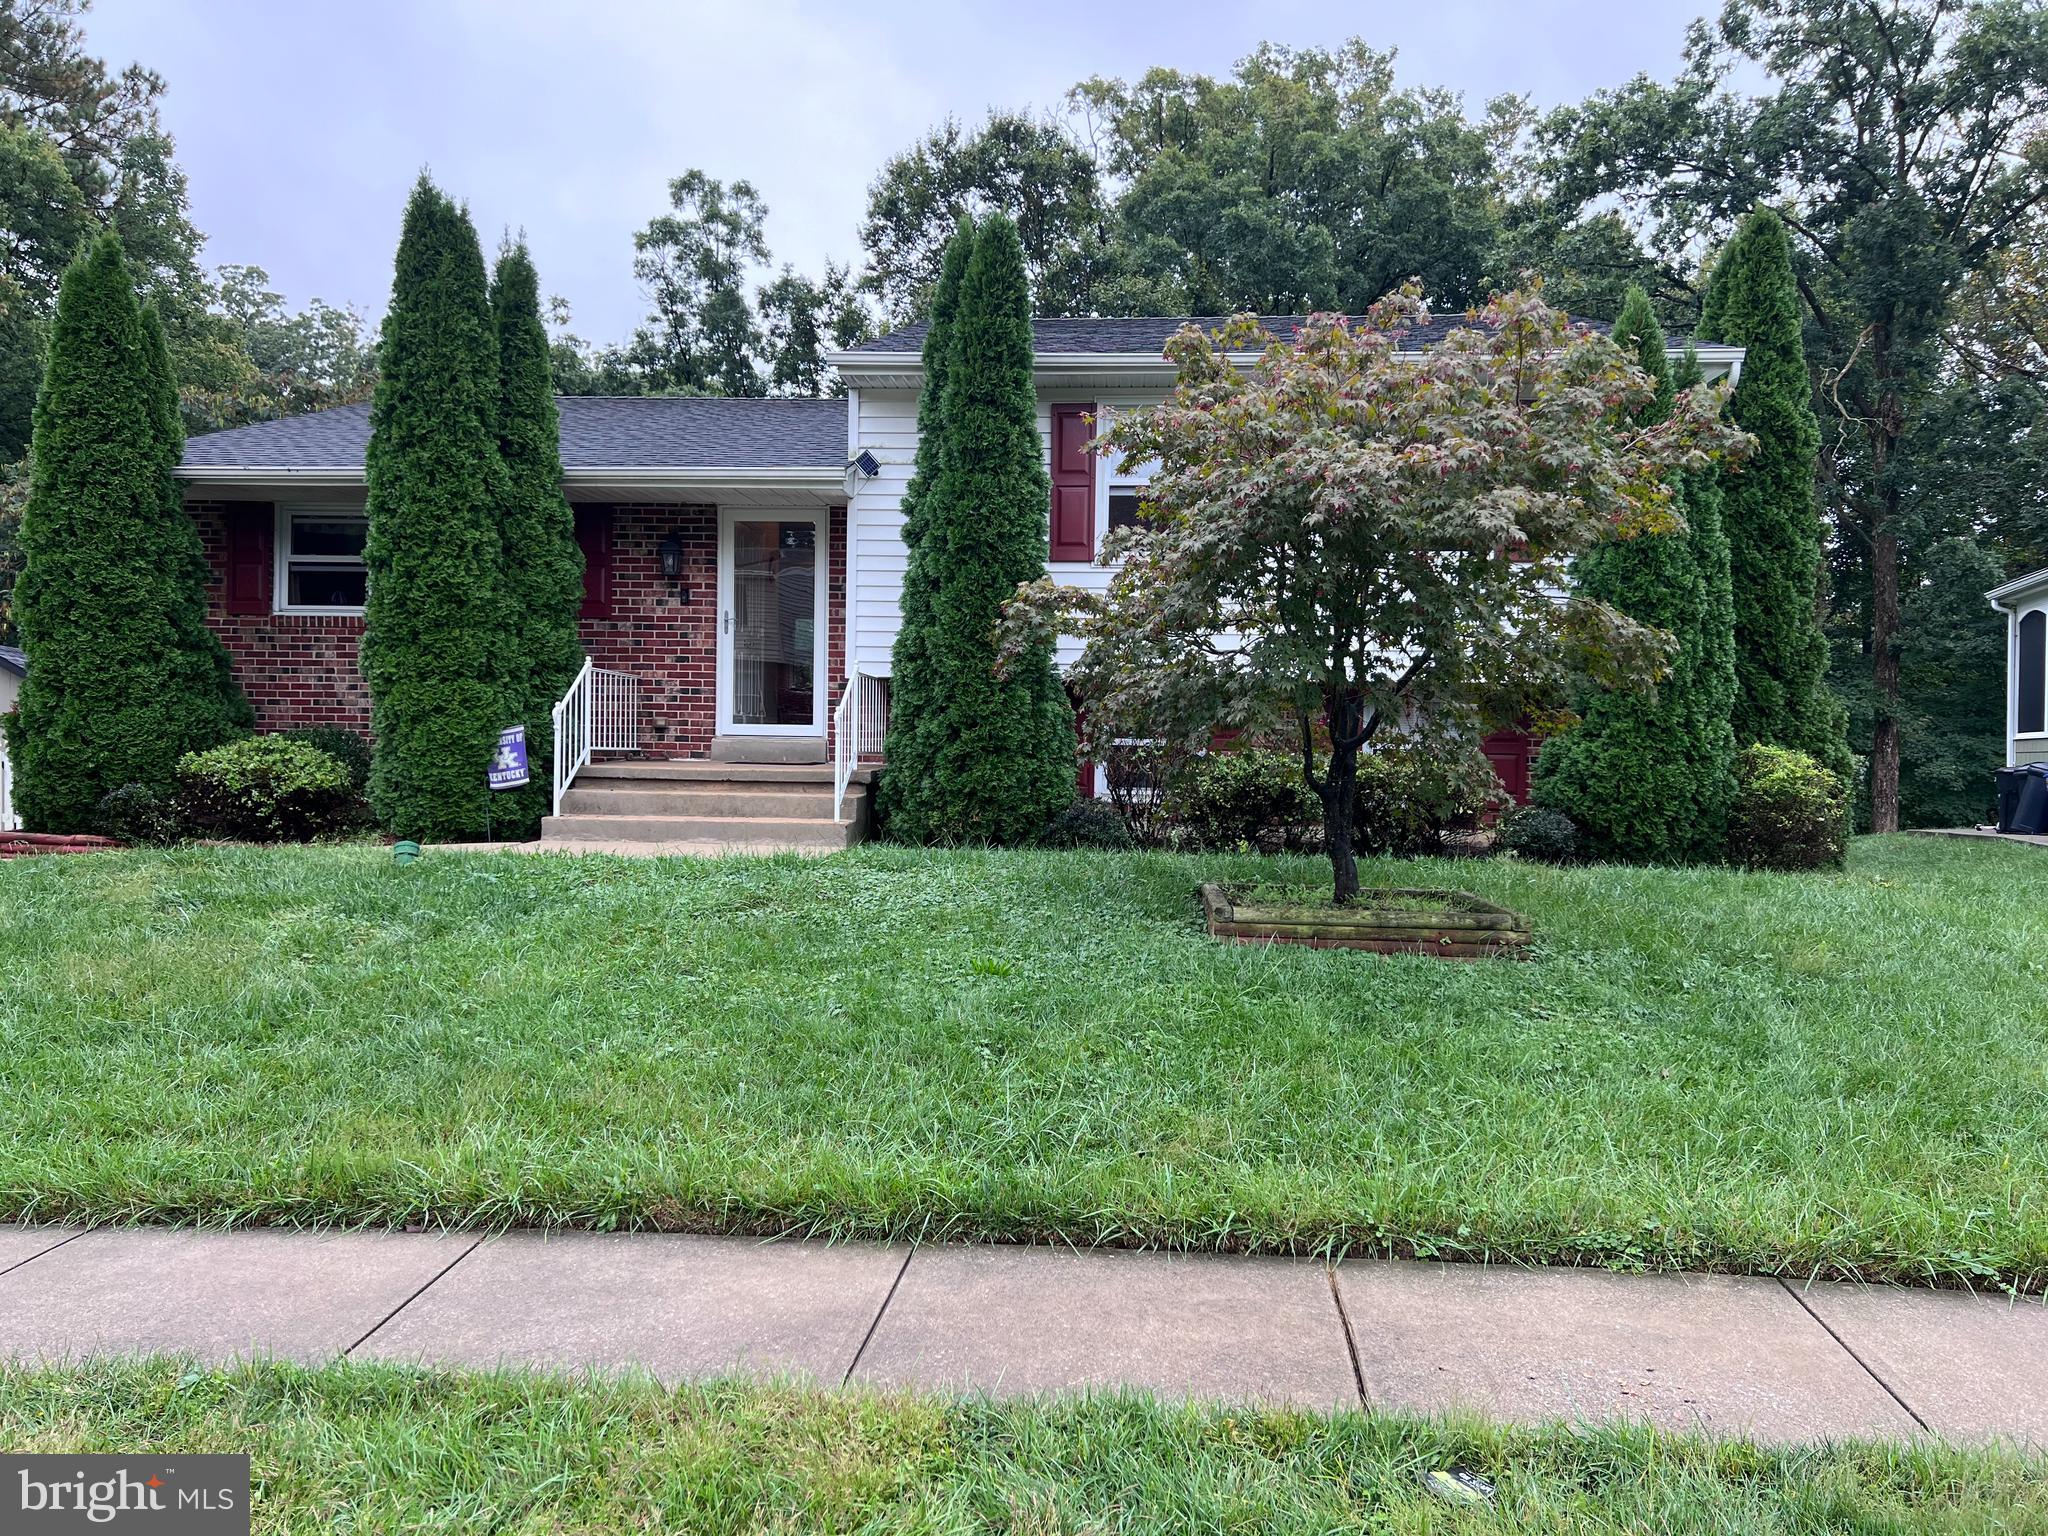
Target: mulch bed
{"x":21,"y":845}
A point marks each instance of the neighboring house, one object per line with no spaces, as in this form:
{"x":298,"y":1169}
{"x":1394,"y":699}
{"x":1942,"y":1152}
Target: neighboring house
{"x":745,"y":564}
{"x":13,"y":668}
{"x":2024,"y":602}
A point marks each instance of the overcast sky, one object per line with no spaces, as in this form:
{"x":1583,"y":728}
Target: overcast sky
{"x":302,"y":123}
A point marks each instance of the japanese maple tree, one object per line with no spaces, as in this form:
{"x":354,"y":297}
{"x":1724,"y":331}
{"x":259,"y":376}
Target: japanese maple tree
{"x":1360,"y":535}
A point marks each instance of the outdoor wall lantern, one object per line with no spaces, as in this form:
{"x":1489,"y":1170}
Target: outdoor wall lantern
{"x":670,"y":553}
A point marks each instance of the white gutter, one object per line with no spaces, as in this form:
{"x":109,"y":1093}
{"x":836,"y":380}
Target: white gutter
{"x":2000,"y":597}
{"x":854,"y":364}
{"x":798,"y":477}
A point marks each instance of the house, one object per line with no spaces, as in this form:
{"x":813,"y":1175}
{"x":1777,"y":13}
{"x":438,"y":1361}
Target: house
{"x":744,"y":575}
{"x":2024,"y":602}
{"x":13,"y":668}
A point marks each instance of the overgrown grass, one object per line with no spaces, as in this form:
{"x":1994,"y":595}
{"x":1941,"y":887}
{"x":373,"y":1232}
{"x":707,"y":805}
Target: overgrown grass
{"x":379,"y":1448}
{"x":1834,"y":1073}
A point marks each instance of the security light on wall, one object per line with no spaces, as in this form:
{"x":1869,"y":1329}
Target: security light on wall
{"x":863,"y":466}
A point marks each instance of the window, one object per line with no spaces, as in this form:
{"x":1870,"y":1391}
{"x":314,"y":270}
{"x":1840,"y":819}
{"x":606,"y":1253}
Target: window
{"x":320,"y":560}
{"x":2031,"y":675}
{"x":1126,"y":485}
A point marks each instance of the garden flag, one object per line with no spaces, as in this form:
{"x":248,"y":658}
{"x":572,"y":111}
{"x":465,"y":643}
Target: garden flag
{"x":508,"y":763}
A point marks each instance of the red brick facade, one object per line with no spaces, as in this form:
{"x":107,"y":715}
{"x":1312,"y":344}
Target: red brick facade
{"x":302,"y":669}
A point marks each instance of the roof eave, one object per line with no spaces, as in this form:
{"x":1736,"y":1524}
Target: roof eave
{"x":1145,"y":367}
{"x":2000,"y":597}
{"x":797,"y":476}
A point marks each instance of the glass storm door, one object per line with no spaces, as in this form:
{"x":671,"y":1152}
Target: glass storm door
{"x":771,"y":624}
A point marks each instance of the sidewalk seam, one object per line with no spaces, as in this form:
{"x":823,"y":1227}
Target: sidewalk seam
{"x":46,"y":1252}
{"x":474,"y":1243}
{"x":1870,"y":1370}
{"x":880,"y":1312}
{"x":1350,"y":1339}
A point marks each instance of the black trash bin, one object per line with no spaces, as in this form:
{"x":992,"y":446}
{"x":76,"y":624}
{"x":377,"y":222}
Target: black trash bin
{"x":2023,"y":799}
{"x":2009,"y":782}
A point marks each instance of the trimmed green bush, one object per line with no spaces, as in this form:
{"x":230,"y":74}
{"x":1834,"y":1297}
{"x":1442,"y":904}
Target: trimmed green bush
{"x":1087,"y":824}
{"x":543,"y":565}
{"x":1773,"y":521}
{"x":435,"y":647}
{"x":344,"y":746}
{"x":1646,"y":777}
{"x":1249,"y":797}
{"x":1412,"y":797}
{"x":1539,"y":833}
{"x":111,"y":600}
{"x":138,"y":814}
{"x":1789,"y":812}
{"x":983,"y":757}
{"x":265,"y":789}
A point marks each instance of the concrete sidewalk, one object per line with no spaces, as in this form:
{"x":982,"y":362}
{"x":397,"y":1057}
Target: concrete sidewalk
{"x":1720,"y":1354}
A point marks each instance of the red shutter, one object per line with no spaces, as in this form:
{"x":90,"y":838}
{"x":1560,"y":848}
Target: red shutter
{"x":594,"y":534}
{"x":252,"y":526}
{"x":1073,"y":483}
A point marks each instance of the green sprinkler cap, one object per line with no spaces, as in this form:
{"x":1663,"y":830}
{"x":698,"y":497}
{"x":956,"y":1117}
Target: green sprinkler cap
{"x":405,"y":852}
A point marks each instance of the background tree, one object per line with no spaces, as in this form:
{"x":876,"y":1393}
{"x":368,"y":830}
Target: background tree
{"x":1030,"y":170}
{"x":992,"y":757}
{"x":917,"y":720}
{"x":801,"y":319}
{"x":111,"y":600}
{"x":1781,"y":660}
{"x":434,"y":643}
{"x":693,"y":262}
{"x":542,"y":563}
{"x":1905,"y":137}
{"x":1348,"y":512}
{"x":1647,"y":775}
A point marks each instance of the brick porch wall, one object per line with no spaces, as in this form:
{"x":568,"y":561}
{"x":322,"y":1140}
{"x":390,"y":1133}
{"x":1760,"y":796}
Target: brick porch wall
{"x":302,"y":669}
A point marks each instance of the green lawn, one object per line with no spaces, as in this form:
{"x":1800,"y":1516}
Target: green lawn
{"x":1841,"y":1073}
{"x":365,"y":1448}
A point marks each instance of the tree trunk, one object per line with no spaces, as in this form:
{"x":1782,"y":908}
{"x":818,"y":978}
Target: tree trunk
{"x":1884,"y":614}
{"x":1339,"y":789}
{"x":1884,"y":670}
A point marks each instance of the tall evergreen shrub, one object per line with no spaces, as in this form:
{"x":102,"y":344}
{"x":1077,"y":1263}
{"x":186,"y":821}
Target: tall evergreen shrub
{"x":912,"y":711}
{"x":543,"y":565}
{"x":1773,"y":521}
{"x":1647,"y":778}
{"x":993,"y":758}
{"x":435,"y":647}
{"x":124,"y":676}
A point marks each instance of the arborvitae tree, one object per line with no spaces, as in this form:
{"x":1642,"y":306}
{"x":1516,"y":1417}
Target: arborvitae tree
{"x":993,"y":758}
{"x":1647,"y":776}
{"x":1781,"y":656}
{"x":1710,"y":727}
{"x":543,"y":565}
{"x":124,"y":676}
{"x":434,"y":645}
{"x":911,"y":686}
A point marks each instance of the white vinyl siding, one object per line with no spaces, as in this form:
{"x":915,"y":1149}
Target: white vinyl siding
{"x":887,"y":427}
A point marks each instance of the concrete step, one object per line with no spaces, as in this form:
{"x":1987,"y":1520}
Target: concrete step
{"x":722,"y":831}
{"x":768,"y":749}
{"x":701,"y":770}
{"x":653,"y":797}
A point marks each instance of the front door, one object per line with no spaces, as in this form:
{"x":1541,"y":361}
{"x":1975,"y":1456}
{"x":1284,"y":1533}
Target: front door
{"x":771,"y":623}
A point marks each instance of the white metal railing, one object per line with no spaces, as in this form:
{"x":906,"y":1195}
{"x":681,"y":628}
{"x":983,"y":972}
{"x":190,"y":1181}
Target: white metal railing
{"x":860,"y":727}
{"x":599,"y":713}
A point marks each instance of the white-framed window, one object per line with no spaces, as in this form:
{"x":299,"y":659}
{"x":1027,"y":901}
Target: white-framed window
{"x":320,"y":565}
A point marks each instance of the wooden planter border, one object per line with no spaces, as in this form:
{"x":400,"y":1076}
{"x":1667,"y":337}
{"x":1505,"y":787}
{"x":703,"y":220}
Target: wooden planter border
{"x":1461,"y":927}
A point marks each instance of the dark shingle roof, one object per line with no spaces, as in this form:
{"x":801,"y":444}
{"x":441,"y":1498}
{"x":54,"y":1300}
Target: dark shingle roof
{"x":13,"y":659}
{"x":598,"y":432}
{"x":1140,"y":335}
